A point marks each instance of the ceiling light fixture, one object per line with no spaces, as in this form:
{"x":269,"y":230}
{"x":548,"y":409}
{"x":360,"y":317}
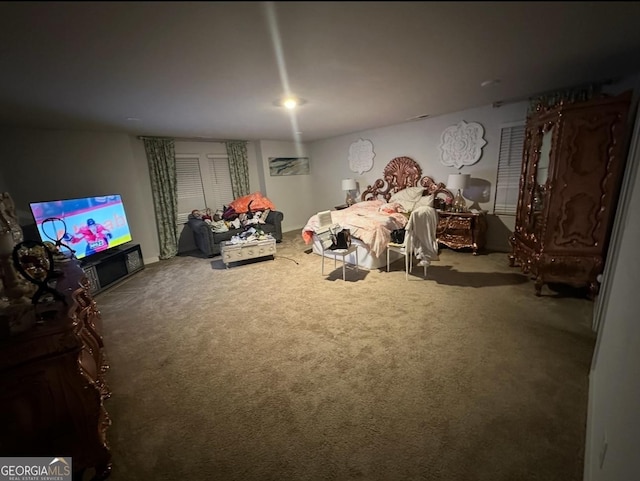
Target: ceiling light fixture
{"x":290,"y":102}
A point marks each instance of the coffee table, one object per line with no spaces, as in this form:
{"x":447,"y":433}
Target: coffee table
{"x":240,"y":251}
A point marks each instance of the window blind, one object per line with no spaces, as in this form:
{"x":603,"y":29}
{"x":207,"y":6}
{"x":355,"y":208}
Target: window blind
{"x":509,"y":169}
{"x":204,"y":180}
{"x":220,"y":181}
{"x":189,"y":186}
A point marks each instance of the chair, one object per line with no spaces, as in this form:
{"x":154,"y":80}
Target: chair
{"x":405,"y":249}
{"x":343,"y":253}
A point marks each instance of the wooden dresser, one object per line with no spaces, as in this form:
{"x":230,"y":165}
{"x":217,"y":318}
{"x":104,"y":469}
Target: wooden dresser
{"x":460,"y":230}
{"x":52,"y":389}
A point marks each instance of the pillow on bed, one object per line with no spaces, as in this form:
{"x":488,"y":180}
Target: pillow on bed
{"x":408,"y":197}
{"x":425,"y":201}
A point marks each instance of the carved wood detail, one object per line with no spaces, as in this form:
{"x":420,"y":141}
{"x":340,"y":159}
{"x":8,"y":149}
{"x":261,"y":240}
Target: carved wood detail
{"x":400,"y":173}
{"x":563,"y":226}
{"x":52,"y":389}
{"x":460,"y":230}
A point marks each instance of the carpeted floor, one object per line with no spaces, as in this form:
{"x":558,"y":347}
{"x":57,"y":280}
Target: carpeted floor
{"x":270,"y":371}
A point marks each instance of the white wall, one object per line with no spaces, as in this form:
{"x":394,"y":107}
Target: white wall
{"x":291,"y":194}
{"x":613,"y":426}
{"x":418,"y":140}
{"x":40,"y":164}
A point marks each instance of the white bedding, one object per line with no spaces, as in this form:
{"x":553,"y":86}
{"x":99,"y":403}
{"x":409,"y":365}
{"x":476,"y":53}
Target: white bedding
{"x":371,"y":223}
{"x":366,"y":222}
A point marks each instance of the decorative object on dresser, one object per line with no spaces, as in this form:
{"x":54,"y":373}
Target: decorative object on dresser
{"x":458,"y":182}
{"x":574,"y":156}
{"x":34,"y":261}
{"x":349,"y":185}
{"x":462,"y":230}
{"x":462,"y":144}
{"x":16,"y":309}
{"x":361,"y":156}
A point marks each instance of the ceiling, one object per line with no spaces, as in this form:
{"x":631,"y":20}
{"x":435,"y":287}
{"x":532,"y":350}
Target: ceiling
{"x":215,"y":69}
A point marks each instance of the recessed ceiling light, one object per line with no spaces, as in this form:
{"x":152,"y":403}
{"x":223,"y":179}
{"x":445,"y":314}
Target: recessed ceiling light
{"x":488,"y":83}
{"x":290,"y":102}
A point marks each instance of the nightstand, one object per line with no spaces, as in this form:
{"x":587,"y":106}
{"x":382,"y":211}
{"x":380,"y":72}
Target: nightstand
{"x":459,"y":230}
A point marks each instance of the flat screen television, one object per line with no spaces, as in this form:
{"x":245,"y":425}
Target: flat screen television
{"x":88,"y":225}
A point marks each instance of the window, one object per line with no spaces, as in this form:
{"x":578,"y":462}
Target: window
{"x":189,"y":186}
{"x":204,"y":180}
{"x":509,"y":168}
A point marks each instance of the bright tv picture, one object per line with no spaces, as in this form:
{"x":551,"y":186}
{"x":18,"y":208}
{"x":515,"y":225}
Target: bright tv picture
{"x":87,"y":226}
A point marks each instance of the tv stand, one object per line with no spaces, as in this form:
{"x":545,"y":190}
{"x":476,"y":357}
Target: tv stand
{"x":106,"y":269}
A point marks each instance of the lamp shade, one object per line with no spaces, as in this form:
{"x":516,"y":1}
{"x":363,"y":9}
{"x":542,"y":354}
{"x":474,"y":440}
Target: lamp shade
{"x":458,"y":181}
{"x":349,"y":184}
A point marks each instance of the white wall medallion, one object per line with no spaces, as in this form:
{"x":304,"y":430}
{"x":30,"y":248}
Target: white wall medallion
{"x":361,"y":156}
{"x":462,"y":144}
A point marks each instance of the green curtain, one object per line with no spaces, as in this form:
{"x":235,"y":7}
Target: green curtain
{"x":161,"y":156}
{"x":239,"y":167}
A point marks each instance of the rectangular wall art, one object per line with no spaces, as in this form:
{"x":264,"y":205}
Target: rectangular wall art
{"x":288,"y":166}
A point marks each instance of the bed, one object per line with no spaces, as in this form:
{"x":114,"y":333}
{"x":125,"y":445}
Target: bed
{"x":372,"y":220}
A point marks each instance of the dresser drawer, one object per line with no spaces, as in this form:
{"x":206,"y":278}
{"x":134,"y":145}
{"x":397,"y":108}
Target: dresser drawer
{"x":454,"y":223}
{"x":461,"y":230}
{"x":240,"y":252}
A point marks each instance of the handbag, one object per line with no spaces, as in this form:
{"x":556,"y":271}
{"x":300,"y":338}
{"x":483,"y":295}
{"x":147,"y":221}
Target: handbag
{"x":397,"y":236}
{"x":341,"y":239}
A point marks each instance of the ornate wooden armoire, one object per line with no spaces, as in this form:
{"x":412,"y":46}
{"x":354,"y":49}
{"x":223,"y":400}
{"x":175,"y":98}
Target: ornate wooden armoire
{"x":573,"y":162}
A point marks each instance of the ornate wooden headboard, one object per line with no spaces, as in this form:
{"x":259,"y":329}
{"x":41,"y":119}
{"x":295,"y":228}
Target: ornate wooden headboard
{"x":400,"y":173}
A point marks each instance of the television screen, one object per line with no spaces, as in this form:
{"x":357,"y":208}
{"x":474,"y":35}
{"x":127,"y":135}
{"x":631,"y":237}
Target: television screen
{"x":88,"y":225}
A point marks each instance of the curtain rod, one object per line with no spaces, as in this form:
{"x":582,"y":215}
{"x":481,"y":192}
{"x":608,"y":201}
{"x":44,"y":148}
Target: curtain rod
{"x":188,"y":139}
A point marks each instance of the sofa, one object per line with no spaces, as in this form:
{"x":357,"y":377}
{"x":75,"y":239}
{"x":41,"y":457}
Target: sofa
{"x":208,"y":241}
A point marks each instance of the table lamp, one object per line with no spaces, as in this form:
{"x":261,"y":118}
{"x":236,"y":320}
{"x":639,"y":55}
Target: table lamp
{"x":459,"y":182}
{"x":349,"y":185}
